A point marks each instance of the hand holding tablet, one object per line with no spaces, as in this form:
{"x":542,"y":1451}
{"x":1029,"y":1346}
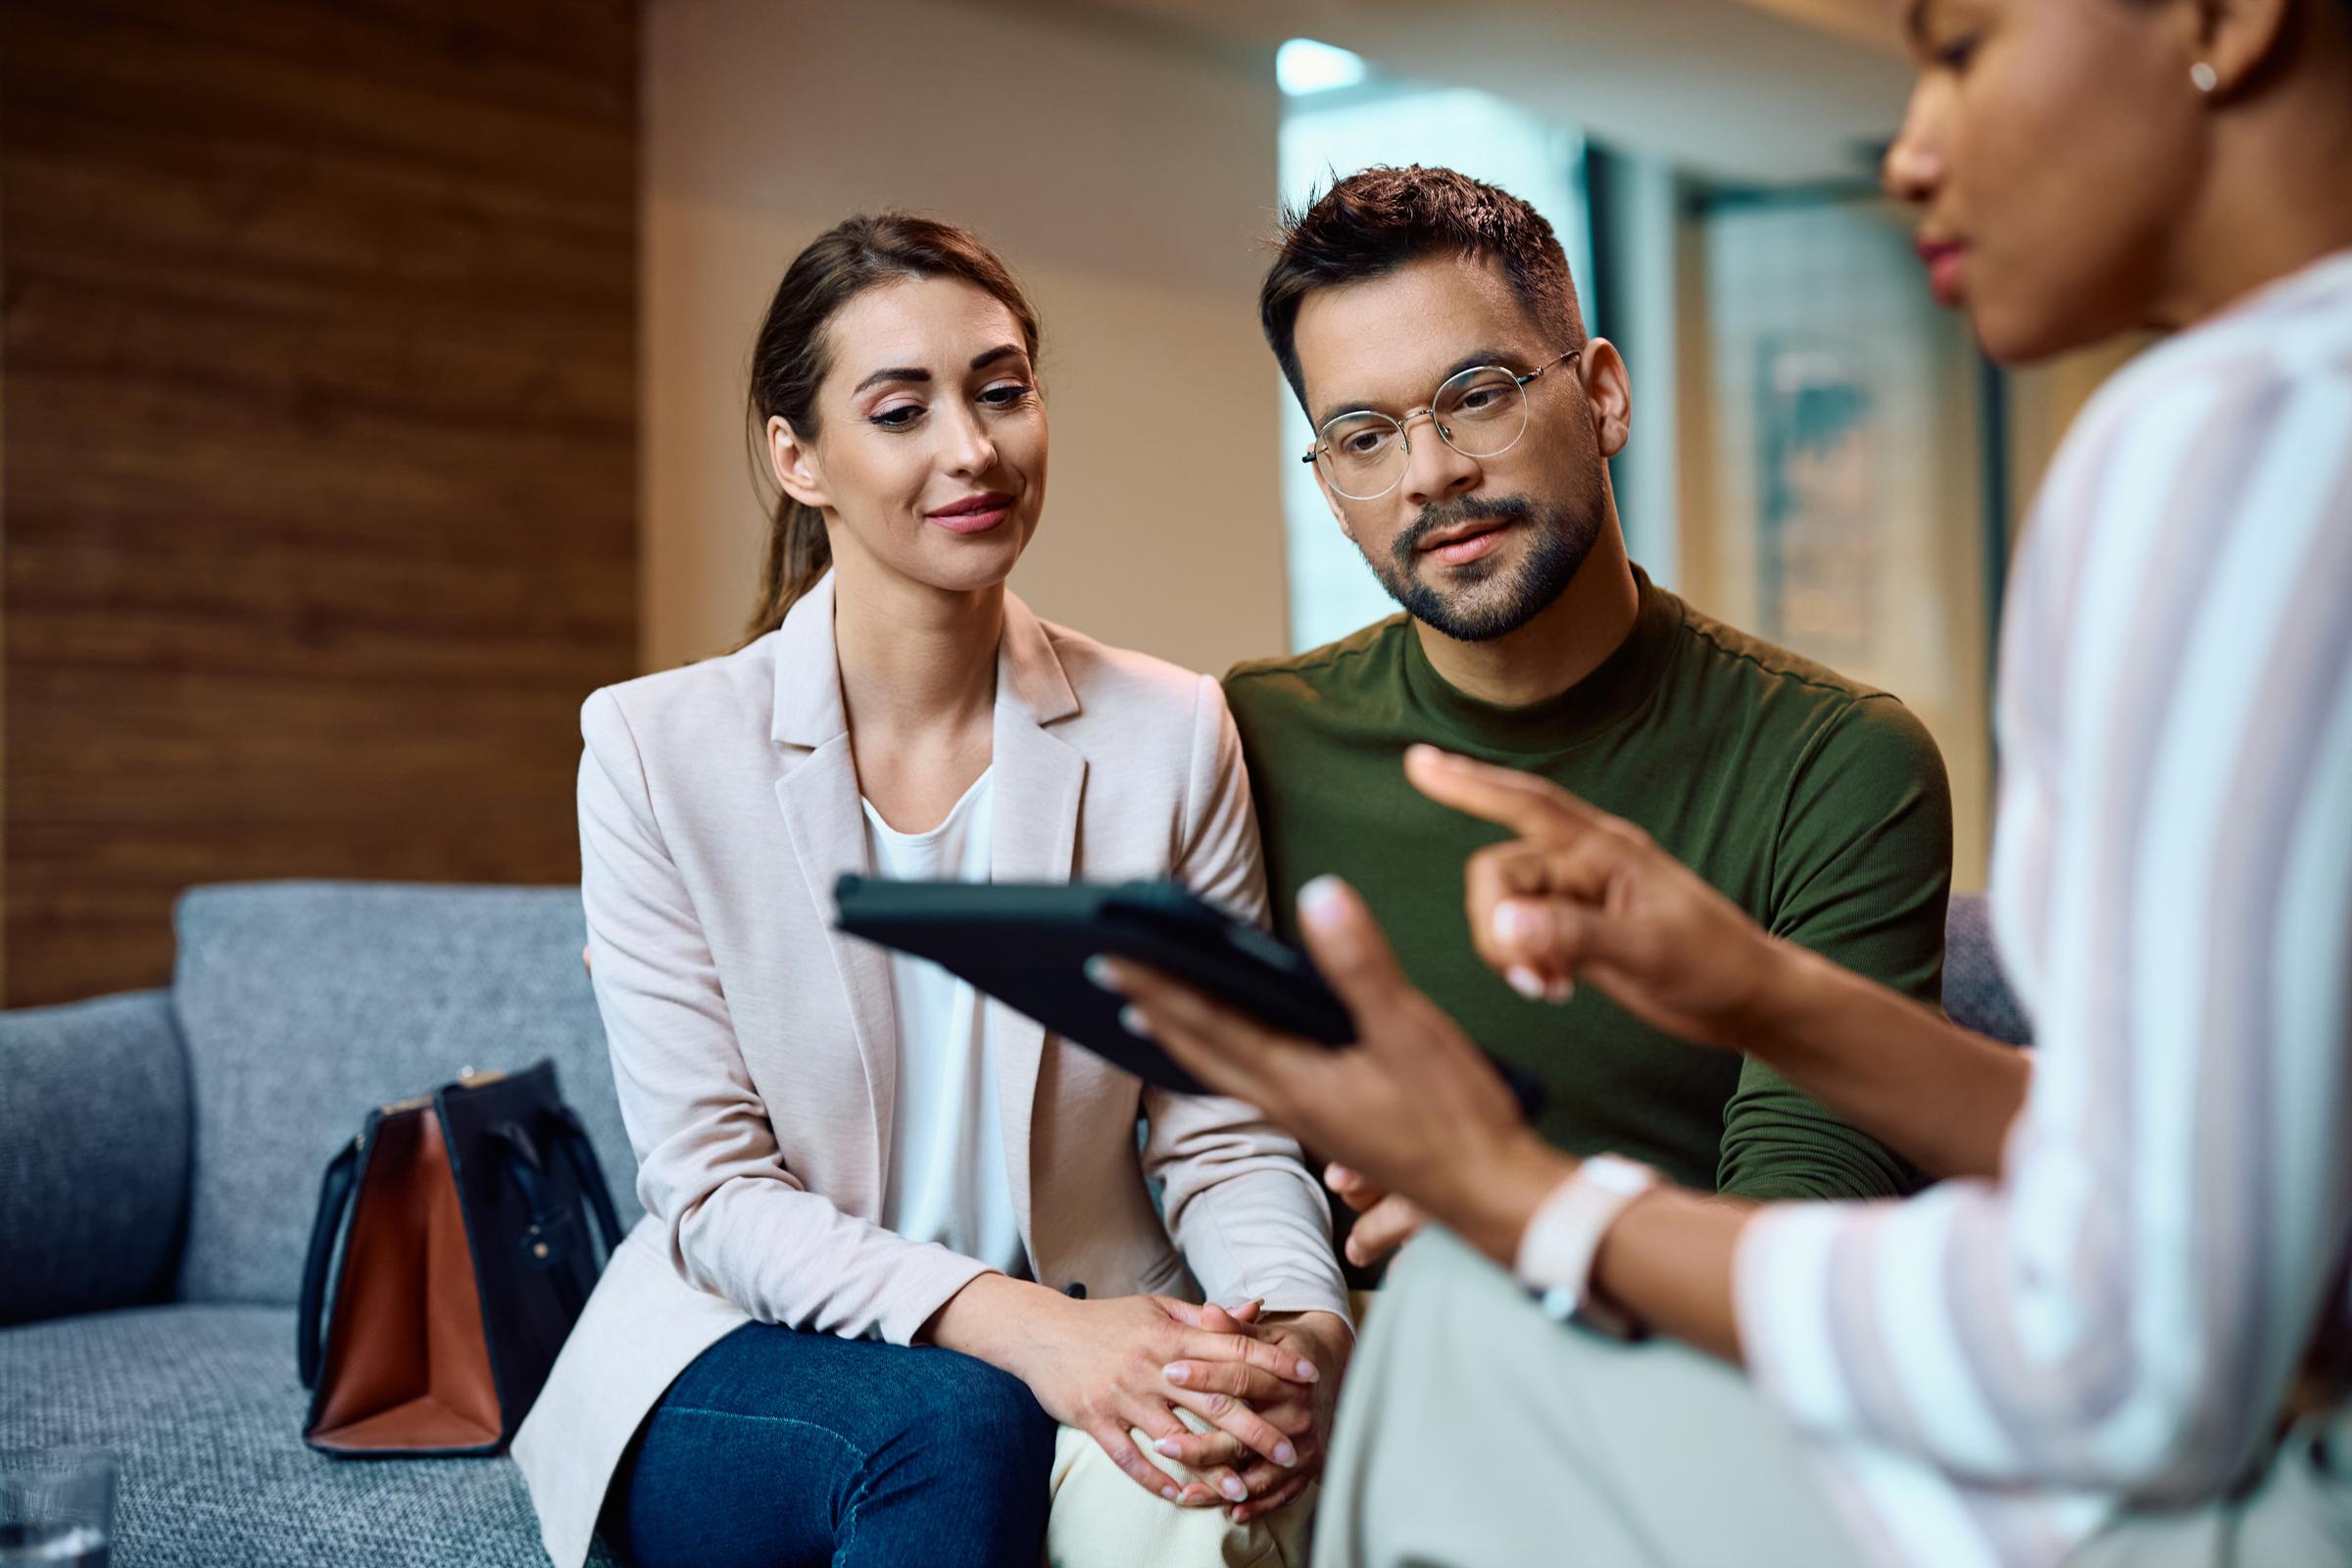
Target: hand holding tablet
{"x":1027,"y":945}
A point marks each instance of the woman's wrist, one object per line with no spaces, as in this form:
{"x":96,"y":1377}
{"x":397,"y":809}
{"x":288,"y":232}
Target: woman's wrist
{"x":1325,"y":1328}
{"x":1782,"y":1009}
{"x":1488,"y":1198}
{"x":1000,"y":1320}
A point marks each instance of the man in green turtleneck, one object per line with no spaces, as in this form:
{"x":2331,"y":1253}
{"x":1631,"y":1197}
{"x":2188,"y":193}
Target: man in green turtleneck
{"x":1429,"y":327}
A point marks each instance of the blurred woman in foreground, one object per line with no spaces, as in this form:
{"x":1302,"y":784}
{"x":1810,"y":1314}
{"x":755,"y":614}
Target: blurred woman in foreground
{"x":2108,"y":1336}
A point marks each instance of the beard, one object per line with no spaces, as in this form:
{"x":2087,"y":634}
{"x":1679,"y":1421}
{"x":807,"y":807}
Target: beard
{"x":1493,"y":597}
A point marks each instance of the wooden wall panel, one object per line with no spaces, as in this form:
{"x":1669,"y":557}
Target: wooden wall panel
{"x":318,"y":349}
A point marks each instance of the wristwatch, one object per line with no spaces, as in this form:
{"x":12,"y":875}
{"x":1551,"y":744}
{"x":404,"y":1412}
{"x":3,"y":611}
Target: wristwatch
{"x":1555,"y":1255}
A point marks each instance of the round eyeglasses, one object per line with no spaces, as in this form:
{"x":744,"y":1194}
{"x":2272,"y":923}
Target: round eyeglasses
{"x":1480,"y":413}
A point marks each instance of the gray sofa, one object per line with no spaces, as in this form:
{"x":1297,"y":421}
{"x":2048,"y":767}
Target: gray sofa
{"x":160,"y":1155}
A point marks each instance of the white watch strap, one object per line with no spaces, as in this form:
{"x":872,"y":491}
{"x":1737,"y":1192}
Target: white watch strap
{"x":1556,"y":1253}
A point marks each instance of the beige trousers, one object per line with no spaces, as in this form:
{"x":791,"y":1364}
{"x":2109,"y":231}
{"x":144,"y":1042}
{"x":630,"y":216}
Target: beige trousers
{"x":1476,"y":1432}
{"x":1100,"y":1519}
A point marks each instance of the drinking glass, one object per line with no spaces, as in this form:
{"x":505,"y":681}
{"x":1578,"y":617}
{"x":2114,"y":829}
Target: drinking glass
{"x":56,"y":1507}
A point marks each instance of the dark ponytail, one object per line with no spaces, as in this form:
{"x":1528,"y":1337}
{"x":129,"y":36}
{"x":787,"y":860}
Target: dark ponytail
{"x":789,"y":360}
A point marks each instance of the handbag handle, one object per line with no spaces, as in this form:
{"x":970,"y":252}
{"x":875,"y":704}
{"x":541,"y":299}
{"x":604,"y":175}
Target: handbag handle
{"x":591,"y":1173}
{"x":528,"y":1171}
{"x":334,"y":1202}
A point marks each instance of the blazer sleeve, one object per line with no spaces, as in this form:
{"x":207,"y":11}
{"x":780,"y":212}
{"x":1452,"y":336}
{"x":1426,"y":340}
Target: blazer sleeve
{"x":737,"y":1222}
{"x":1240,"y":1202}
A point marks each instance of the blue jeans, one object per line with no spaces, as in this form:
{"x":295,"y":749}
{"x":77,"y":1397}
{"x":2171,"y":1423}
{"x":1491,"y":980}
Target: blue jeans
{"x":777,"y":1449}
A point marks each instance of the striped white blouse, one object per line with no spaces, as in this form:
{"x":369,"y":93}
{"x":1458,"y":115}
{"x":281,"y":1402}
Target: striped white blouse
{"x":1990,"y":1371}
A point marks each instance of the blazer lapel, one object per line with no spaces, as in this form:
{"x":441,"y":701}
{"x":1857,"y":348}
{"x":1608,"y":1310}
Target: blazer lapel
{"x":1039,"y":781}
{"x":818,"y":796}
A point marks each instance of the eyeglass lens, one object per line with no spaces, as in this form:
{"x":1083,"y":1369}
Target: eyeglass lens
{"x":1480,"y":413}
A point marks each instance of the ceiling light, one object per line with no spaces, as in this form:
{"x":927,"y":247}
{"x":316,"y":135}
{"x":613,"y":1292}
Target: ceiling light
{"x":1304,"y":66}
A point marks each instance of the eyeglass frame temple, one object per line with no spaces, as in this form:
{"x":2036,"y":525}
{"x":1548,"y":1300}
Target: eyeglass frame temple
{"x":1429,"y":409}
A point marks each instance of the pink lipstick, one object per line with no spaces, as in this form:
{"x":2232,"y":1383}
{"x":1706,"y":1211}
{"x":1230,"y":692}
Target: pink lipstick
{"x":973,"y":513}
{"x":1945,"y":261}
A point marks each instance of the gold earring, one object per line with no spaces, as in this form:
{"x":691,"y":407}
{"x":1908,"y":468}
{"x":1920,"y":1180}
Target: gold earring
{"x":2204,"y":76}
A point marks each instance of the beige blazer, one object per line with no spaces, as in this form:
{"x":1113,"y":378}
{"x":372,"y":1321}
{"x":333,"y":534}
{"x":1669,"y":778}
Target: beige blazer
{"x":756,"y":1053}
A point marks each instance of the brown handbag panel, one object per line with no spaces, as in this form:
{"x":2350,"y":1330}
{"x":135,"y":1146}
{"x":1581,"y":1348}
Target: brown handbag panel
{"x":407,"y":1365}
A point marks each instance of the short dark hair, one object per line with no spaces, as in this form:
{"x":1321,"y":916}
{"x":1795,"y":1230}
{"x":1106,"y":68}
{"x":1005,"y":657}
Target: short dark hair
{"x":1376,"y":220}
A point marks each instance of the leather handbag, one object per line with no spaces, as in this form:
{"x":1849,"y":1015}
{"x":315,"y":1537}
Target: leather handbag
{"x":466,"y":1259}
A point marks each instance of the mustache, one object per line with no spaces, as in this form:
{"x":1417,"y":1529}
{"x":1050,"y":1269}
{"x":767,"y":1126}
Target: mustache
{"x":1441,"y":516}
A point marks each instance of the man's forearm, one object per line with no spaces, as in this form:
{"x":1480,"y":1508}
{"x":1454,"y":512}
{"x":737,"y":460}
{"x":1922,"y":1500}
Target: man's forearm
{"x":1941,"y":1097}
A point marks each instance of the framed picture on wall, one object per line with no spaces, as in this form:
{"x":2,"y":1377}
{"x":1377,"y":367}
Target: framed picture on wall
{"x":1833,"y":501}
{"x":1817,"y":455}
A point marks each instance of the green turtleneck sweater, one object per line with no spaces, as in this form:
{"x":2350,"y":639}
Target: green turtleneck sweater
{"x":1819,"y":805}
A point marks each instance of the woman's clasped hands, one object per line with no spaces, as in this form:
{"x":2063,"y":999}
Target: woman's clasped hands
{"x":1258,"y":1390}
{"x":1299,"y":1404}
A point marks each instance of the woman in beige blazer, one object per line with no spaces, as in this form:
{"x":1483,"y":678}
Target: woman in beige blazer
{"x":893,"y":1233}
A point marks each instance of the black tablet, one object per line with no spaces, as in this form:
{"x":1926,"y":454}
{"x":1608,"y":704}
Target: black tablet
{"x":1026,"y":943}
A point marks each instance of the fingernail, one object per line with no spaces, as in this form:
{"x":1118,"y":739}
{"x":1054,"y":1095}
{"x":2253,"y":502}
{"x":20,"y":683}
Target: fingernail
{"x":1561,"y":992}
{"x":1232,"y":1486}
{"x":1323,"y":902}
{"x":1513,"y":920}
{"x":1525,"y":981}
{"x":1166,"y":1448}
{"x":1168,"y":1492}
{"x":1098,"y":970}
{"x":1131,"y":1019}
{"x":1306,"y":1370}
{"x":1285,"y":1455}
{"x":1177,"y":1372}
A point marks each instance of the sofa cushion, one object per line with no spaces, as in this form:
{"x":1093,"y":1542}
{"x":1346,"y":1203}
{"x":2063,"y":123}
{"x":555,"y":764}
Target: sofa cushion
{"x":306,"y":1004}
{"x":202,"y":1406}
{"x":94,"y":1155}
{"x":1976,"y":995}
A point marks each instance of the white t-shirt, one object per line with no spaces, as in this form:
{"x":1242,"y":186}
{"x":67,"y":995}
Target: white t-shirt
{"x":948,"y":1181}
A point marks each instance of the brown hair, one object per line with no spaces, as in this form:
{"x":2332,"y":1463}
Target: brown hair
{"x":789,"y":358}
{"x":1376,"y":220}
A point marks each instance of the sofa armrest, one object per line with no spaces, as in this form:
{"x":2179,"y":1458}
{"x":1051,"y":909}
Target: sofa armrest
{"x":94,"y":1129}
